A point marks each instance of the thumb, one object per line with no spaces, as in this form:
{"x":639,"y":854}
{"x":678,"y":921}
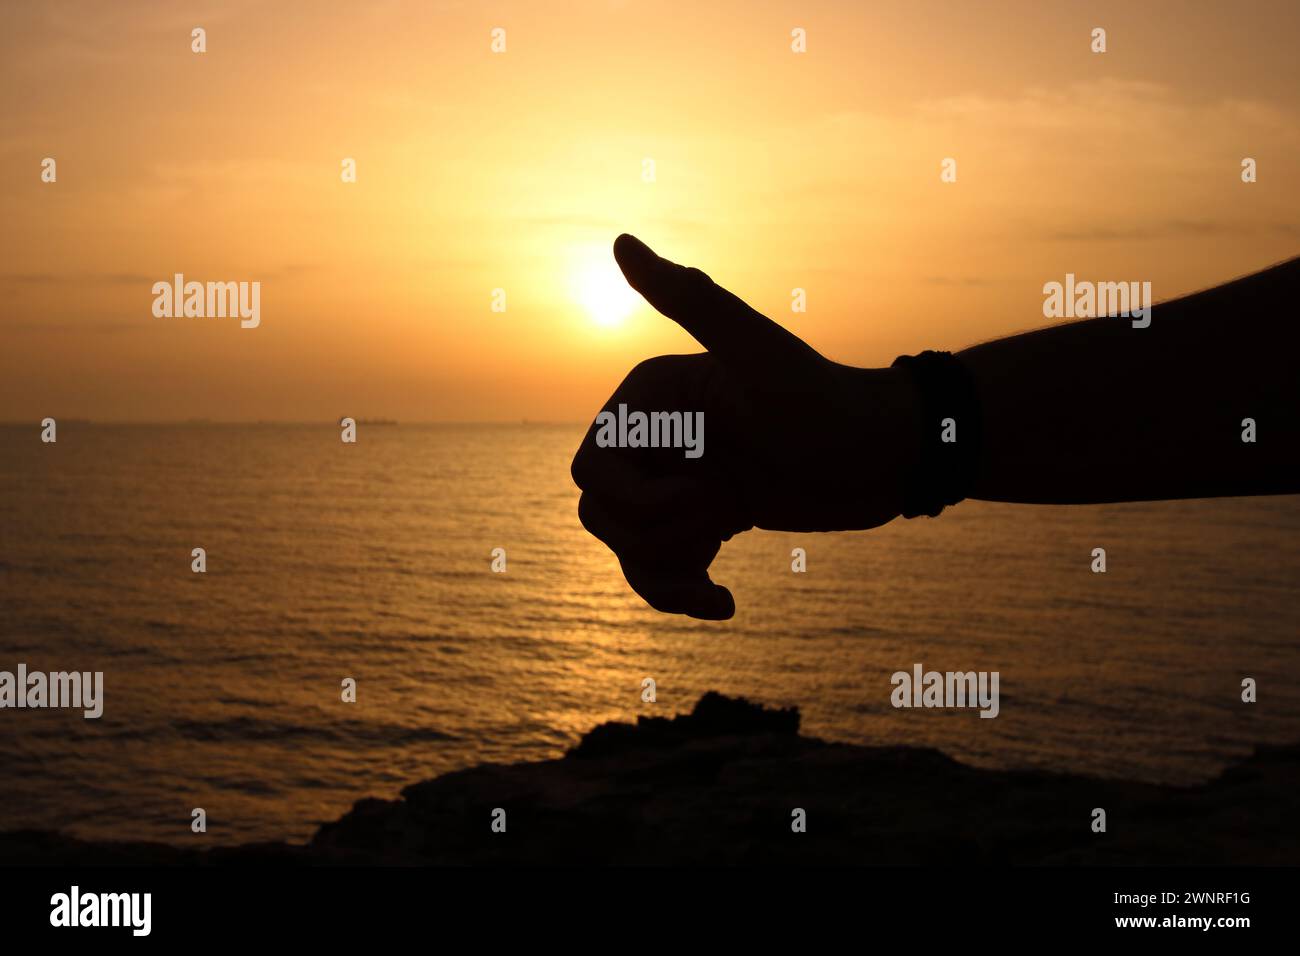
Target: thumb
{"x":669,"y":570}
{"x":680,"y":591}
{"x":732,"y":332}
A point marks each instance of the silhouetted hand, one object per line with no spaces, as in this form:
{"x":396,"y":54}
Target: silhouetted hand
{"x":792,"y":442}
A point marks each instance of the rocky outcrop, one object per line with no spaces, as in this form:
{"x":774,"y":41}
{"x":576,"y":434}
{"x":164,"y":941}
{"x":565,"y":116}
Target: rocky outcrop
{"x":720,"y":785}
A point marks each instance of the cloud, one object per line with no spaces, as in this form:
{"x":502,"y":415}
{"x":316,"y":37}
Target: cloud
{"x":965,"y":281}
{"x":74,"y":278}
{"x":80,"y":328}
{"x":1177,"y":229}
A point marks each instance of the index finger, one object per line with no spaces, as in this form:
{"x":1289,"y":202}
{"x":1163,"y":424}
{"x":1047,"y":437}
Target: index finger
{"x":736,"y":334}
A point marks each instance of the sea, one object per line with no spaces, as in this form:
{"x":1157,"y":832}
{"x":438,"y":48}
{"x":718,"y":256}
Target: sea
{"x":372,"y":562}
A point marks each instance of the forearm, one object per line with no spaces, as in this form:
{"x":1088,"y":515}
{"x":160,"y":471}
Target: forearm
{"x":1099,"y":411}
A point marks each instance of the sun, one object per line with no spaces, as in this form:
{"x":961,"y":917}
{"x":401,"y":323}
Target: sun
{"x":599,"y":287}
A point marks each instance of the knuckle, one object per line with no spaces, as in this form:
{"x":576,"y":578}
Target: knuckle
{"x":587,"y":515}
{"x":697,"y":277}
{"x":695,"y":284}
{"x":644,"y":367}
{"x":579,"y":468}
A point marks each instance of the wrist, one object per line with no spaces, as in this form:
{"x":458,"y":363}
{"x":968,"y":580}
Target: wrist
{"x":889,"y":432}
{"x":948,"y":433}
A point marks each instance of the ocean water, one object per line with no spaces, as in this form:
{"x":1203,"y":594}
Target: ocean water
{"x":372,"y":561}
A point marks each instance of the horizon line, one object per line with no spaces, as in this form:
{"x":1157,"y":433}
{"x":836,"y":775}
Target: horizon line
{"x":386,"y":422}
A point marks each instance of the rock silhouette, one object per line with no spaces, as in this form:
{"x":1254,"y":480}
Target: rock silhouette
{"x":718,"y":786}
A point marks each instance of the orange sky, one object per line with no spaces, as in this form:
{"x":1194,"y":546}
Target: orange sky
{"x":479,"y":171}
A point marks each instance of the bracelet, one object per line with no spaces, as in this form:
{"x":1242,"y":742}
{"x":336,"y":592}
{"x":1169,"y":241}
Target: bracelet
{"x":950,"y":433}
